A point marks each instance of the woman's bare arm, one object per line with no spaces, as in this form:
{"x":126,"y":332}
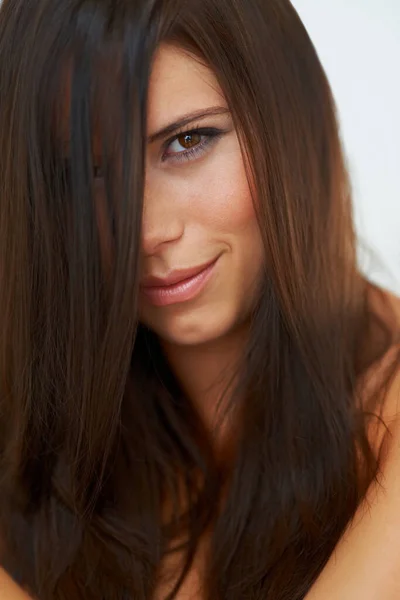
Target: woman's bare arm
{"x":9,"y":590}
{"x":366,"y":561}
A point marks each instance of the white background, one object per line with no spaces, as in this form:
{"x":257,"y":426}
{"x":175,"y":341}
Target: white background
{"x":358,"y":42}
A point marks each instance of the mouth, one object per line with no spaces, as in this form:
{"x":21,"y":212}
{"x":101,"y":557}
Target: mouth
{"x":179,"y":286}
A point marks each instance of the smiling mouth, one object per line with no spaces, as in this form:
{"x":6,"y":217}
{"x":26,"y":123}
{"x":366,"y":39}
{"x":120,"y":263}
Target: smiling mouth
{"x":180,"y":291}
{"x":175,"y":276}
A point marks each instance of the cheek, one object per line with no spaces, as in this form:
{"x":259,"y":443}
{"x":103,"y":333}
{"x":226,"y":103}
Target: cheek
{"x":227,"y":214}
{"x":225,"y":204}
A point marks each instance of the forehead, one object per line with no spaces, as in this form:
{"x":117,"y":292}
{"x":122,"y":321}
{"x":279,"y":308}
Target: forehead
{"x":178,"y":85}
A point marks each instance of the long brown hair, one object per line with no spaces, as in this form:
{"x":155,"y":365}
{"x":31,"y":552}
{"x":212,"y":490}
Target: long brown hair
{"x":94,"y":429}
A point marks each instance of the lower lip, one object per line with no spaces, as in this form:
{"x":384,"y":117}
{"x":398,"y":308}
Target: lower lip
{"x":179,"y":292}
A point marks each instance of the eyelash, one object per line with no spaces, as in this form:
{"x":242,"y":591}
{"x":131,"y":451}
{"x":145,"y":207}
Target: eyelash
{"x":211,"y":134}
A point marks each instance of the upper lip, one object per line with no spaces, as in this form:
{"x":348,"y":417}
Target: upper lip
{"x":175,"y":276}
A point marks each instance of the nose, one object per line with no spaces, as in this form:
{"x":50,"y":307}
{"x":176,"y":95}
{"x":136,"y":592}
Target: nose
{"x":162,"y":221}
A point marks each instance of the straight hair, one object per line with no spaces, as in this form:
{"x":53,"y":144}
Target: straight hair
{"x":95,"y":431}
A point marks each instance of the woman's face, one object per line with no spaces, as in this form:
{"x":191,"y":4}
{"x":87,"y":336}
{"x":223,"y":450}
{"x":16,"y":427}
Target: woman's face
{"x":198,"y":212}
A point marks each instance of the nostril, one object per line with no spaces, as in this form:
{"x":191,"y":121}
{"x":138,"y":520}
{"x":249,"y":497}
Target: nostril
{"x":158,"y":232}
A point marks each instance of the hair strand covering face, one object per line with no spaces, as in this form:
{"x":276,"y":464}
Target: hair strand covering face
{"x":95,"y":431}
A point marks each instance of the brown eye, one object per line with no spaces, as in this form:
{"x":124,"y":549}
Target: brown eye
{"x":188,"y":145}
{"x":188,"y":140}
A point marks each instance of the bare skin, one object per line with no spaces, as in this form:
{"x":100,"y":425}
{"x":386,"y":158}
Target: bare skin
{"x":186,"y":224}
{"x":9,"y":590}
{"x":365,"y":563}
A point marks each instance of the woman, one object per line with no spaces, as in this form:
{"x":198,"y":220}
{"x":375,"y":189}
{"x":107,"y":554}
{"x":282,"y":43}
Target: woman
{"x":192,"y":365}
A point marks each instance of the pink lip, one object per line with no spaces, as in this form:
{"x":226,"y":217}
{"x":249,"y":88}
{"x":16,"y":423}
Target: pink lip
{"x":181,"y":286}
{"x":174,"y":276}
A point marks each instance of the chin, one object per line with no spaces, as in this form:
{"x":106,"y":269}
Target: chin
{"x":191,"y":331}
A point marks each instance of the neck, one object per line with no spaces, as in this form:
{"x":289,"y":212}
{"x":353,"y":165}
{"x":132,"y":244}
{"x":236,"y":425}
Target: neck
{"x":207,"y":374}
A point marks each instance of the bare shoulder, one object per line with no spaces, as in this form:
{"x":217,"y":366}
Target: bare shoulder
{"x":391,"y":404}
{"x":385,"y":305}
{"x":388,"y":307}
{"x":365,"y":562}
{"x":382,"y":297}
{"x":378,"y":388}
{"x":9,"y":590}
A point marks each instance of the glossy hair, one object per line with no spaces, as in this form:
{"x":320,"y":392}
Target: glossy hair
{"x":95,"y":433}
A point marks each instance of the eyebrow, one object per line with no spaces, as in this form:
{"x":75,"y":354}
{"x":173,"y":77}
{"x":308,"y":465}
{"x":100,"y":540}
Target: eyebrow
{"x":185,"y":120}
